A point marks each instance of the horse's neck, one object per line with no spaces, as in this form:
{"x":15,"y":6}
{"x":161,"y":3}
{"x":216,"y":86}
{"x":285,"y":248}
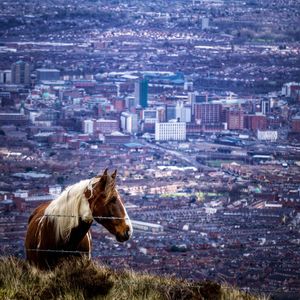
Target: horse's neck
{"x":78,"y":233}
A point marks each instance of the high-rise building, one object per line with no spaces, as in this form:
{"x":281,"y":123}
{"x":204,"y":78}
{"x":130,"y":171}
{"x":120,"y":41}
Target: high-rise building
{"x":235,"y":120}
{"x":171,"y":131}
{"x":20,"y":72}
{"x":149,"y":120}
{"x":183,"y":113}
{"x":141,"y":93}
{"x":130,"y":103}
{"x":265,"y":106}
{"x":161,"y":114}
{"x":207,"y":113}
{"x":129,"y":122}
{"x":170,"y":112}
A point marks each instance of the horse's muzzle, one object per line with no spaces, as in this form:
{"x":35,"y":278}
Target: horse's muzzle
{"x":123,"y":237}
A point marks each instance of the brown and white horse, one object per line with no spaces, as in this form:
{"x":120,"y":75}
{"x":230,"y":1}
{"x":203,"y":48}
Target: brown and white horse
{"x":62,"y":227}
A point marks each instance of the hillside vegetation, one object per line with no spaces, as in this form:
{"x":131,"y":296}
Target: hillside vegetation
{"x":89,"y":280}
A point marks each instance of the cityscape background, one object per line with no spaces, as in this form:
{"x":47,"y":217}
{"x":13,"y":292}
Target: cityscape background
{"x":196,"y":104}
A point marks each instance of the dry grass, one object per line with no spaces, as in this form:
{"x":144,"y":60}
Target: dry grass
{"x":89,"y":280}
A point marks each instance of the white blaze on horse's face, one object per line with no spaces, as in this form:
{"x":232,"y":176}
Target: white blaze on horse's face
{"x":108,"y":209}
{"x":127,"y":220}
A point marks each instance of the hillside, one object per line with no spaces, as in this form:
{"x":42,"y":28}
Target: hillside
{"x":88,"y":280}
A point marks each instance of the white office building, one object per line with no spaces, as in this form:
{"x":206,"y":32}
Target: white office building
{"x":88,"y":126}
{"x":183,"y":113}
{"x":171,"y":131}
{"x":129,"y":122}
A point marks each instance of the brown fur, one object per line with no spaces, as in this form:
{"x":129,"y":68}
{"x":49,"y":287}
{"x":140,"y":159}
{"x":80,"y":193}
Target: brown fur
{"x":103,"y":200}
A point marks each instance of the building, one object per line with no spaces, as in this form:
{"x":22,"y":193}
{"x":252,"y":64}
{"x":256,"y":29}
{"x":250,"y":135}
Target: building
{"x":291,"y":89}
{"x":20,"y":72}
{"x":183,"y":113}
{"x":17,"y":119}
{"x":265,"y":106}
{"x":106,"y":126}
{"x":255,"y":122}
{"x":130,"y":103}
{"x":144,"y":226}
{"x":141,"y":93}
{"x":117,"y":138}
{"x":103,"y":126}
{"x":47,"y":74}
{"x":170,"y":112}
{"x":119,"y":104}
{"x":296,"y":124}
{"x":161,"y":114}
{"x":149,"y":120}
{"x":267,"y":135}
{"x":170,"y":131}
{"x":235,"y":119}
{"x":129,"y":122}
{"x":207,"y":113}
{"x":5,"y":76}
{"x":88,"y":126}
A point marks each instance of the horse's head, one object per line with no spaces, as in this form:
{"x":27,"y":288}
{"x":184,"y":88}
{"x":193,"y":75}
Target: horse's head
{"x":107,"y":207}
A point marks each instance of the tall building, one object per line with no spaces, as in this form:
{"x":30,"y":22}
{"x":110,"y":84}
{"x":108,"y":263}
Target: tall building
{"x":207,"y":113}
{"x":183,"y":113}
{"x":20,"y":72}
{"x":171,"y":131}
{"x":170,"y":112}
{"x":129,"y":122}
{"x":161,"y":114}
{"x":141,"y":93}
{"x":149,"y":120}
{"x":235,"y":120}
{"x":265,"y":106}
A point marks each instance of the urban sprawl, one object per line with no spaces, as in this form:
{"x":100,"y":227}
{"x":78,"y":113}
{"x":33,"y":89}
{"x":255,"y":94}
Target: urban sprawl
{"x":195,"y":103}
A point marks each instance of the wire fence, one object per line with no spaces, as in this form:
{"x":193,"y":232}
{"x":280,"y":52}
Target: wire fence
{"x":62,"y":251}
{"x":94,"y":217}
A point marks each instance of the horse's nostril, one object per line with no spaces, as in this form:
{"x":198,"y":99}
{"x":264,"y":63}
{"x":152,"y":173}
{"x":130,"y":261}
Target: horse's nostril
{"x":127,"y":234}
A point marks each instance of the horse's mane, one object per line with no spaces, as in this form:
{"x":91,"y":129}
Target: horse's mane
{"x":65,"y":210}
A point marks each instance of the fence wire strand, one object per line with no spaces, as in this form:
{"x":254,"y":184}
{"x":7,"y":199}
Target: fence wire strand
{"x":94,"y":217}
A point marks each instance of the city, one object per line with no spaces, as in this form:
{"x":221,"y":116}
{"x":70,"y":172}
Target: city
{"x":197,"y":105}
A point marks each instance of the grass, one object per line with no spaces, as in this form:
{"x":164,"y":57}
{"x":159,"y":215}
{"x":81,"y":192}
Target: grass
{"x":88,"y":280}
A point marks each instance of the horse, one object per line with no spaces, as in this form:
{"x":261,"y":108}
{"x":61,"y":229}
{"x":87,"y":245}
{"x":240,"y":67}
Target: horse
{"x":61,"y":228}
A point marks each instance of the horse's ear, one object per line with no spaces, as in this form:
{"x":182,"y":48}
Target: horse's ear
{"x":104,"y":180}
{"x":104,"y":173}
{"x":114,"y":175}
